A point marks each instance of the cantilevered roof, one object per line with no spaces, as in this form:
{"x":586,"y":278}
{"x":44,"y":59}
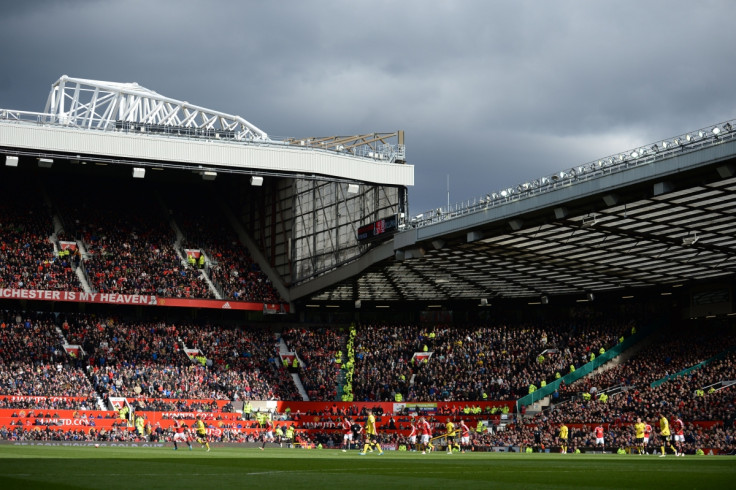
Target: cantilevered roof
{"x":656,"y":219}
{"x":127,"y":124}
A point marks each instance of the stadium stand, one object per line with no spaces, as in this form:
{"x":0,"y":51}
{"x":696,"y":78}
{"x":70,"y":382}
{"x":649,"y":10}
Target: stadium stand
{"x":145,"y":362}
{"x":472,"y":363}
{"x":231,"y":267}
{"x":317,"y":349}
{"x":33,"y":361}
{"x":134,"y":246}
{"x":28,"y":259}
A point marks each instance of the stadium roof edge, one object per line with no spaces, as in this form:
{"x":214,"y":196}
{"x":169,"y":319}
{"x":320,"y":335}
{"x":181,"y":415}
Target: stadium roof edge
{"x":665,"y":222}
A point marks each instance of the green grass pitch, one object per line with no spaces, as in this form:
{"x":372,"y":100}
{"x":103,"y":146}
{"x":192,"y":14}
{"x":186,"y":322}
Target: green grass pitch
{"x":28,"y":467}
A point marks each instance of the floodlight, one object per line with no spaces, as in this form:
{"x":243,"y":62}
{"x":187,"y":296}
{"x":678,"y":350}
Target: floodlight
{"x":11,"y":161}
{"x":353,"y":188}
{"x":716,"y":130}
{"x":588,"y":221}
{"x":256,"y":181}
{"x":727,"y":127}
{"x":516,"y":224}
{"x":689,"y":240}
{"x":438,"y":244}
{"x":544,"y":300}
{"x":209,"y":175}
{"x":139,"y":173}
{"x":45,"y":162}
{"x":474,"y":236}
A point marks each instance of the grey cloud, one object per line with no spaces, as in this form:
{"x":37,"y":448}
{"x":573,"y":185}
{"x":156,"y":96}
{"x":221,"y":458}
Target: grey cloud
{"x":506,"y":90}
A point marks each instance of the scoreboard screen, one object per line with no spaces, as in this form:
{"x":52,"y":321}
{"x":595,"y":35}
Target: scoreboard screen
{"x":379,"y":229}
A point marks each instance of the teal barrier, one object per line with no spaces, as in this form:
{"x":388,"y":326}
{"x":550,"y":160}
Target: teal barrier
{"x":585,"y":369}
{"x":685,"y":371}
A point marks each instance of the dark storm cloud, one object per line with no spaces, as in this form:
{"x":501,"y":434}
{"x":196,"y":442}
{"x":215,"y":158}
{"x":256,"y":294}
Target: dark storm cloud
{"x":492,"y":93}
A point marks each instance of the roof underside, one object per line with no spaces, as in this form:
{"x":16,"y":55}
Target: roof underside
{"x":648,"y":233}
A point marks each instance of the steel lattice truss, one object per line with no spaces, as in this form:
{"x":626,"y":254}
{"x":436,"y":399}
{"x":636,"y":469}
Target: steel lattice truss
{"x":380,"y":146}
{"x":95,"y":104}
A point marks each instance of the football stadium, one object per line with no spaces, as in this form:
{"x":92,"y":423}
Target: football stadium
{"x":188,"y":302}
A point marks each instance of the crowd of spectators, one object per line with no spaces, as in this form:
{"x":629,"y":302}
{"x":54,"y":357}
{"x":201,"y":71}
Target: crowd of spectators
{"x":148,"y":359}
{"x":472,"y":363}
{"x":27,"y":256}
{"x":181,"y":405}
{"x":679,"y":395}
{"x":140,"y":260}
{"x":129,"y":243}
{"x":232,"y":269}
{"x":50,"y":403}
{"x":247,"y":358}
{"x":666,"y":352}
{"x":33,"y":361}
{"x":700,"y":396}
{"x":318,"y":349}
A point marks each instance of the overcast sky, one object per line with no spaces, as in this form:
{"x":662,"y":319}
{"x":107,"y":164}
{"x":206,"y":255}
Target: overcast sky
{"x":491,"y":93}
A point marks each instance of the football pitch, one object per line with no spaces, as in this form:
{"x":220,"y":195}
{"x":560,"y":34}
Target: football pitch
{"x":30,"y":467}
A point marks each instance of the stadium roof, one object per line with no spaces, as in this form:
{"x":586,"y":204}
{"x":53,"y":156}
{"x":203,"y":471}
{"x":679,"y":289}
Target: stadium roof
{"x":127,"y":124}
{"x":661,"y":216}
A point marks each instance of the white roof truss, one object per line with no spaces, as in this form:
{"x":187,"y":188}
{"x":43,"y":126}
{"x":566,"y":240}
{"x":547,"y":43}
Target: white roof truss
{"x":95,"y":104}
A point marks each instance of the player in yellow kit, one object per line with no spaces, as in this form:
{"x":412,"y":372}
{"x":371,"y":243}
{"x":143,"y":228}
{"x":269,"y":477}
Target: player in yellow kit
{"x":563,"y":438}
{"x":201,"y":433}
{"x":639,"y":429}
{"x":664,"y":433}
{"x":450,"y":436}
{"x":371,"y":434}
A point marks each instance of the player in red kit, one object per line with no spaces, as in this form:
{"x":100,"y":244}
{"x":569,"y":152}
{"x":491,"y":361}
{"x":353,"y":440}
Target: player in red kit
{"x":464,"y":435}
{"x":599,"y":439}
{"x":267,"y":434}
{"x":181,"y":434}
{"x":413,"y":437}
{"x":426,"y":430}
{"x":647,"y":435}
{"x":678,"y":427}
{"x":347,"y":433}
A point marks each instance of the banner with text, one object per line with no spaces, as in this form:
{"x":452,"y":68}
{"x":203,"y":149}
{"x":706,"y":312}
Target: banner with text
{"x":136,"y":299}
